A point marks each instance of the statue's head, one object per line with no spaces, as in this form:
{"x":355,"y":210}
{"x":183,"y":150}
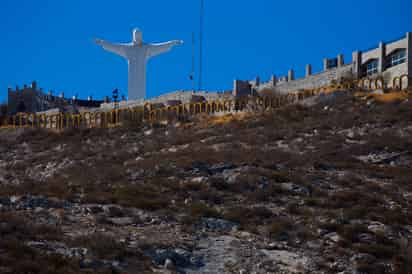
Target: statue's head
{"x":137,"y":37}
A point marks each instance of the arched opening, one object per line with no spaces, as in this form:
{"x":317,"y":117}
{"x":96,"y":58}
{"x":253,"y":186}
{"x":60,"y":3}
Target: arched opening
{"x":367,"y":84}
{"x":152,"y":116}
{"x":32,"y":120}
{"x":213,"y":107}
{"x":203,"y":107}
{"x":396,"y":83}
{"x":404,"y":82}
{"x":379,"y":83}
{"x":86,"y":119}
{"x":221,"y":106}
{"x":198,"y":108}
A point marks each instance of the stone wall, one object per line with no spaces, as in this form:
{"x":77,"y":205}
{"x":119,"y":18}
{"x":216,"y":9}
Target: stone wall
{"x":321,"y":79}
{"x":30,"y":99}
{"x":173,"y":98}
{"x":186,"y":96}
{"x":409,"y":52}
{"x":335,"y":70}
{"x":241,"y":88}
{"x":25,"y":100}
{"x":396,"y":71}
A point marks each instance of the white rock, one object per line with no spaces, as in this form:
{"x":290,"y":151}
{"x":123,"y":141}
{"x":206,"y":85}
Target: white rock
{"x":172,"y":149}
{"x":14,"y":199}
{"x":199,"y":179}
{"x":169,"y":265}
{"x":334,"y":237}
{"x":289,"y":261}
{"x":148,"y":132}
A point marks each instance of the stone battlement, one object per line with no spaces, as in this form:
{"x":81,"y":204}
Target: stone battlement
{"x":32,"y":99}
{"x":391,"y":62}
{"x":173,"y":98}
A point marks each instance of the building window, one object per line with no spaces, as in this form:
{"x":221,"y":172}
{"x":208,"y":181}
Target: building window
{"x":398,"y":57}
{"x":372,"y":67}
{"x":333,"y":63}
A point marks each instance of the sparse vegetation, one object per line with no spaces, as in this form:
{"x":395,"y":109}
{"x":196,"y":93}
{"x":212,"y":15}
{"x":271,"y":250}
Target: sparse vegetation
{"x":332,"y":179}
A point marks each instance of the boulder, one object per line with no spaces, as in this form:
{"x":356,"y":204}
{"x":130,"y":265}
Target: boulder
{"x":217,"y":225}
{"x":180,"y":258}
{"x":121,"y":221}
{"x":300,"y":190}
{"x":288,"y":261}
{"x":333,"y":237}
{"x":363,"y":258}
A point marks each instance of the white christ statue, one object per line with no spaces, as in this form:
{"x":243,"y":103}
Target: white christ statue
{"x":137,"y":54}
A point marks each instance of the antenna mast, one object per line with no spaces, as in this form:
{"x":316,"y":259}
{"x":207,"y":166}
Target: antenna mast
{"x":192,"y":75}
{"x":201,"y":44}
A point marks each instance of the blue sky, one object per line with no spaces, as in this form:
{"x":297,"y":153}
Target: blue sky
{"x":52,"y":41}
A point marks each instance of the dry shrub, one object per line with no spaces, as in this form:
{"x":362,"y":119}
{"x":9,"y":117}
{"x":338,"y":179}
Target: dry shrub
{"x":200,"y":210}
{"x":350,"y":233}
{"x":378,"y":250}
{"x":17,"y":226}
{"x":103,"y":246}
{"x":280,"y":229}
{"x":144,"y":197}
{"x":390,"y":97}
{"x":248,"y":217}
{"x":373,"y":268}
{"x":20,"y":258}
{"x":402,"y":262}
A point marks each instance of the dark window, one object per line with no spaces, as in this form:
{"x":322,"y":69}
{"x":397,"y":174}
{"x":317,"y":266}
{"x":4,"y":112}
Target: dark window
{"x":21,"y":107}
{"x":372,"y":67}
{"x":399,"y":57}
{"x":333,"y":63}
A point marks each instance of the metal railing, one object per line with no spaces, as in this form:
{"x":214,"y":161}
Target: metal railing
{"x":150,"y":114}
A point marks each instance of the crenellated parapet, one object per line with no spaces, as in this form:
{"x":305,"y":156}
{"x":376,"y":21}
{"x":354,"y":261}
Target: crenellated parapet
{"x":390,"y":63}
{"x":33,"y":99}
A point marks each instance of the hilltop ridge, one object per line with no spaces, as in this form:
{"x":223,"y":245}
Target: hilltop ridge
{"x":323,"y":186}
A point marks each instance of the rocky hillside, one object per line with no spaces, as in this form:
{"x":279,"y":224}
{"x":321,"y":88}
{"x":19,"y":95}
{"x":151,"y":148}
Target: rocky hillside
{"x":320,"y":187}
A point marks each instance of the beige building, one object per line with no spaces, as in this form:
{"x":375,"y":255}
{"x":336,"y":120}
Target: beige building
{"x":389,"y":66}
{"x":391,"y":61}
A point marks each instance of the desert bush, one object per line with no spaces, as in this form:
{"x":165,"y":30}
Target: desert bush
{"x":294,"y":208}
{"x":202,"y":210}
{"x":394,"y":217}
{"x":139,"y":196}
{"x":365,"y":268}
{"x":16,"y":226}
{"x":103,"y":246}
{"x":248,"y":217}
{"x":209,"y":196}
{"x":272,"y":192}
{"x":329,"y":226}
{"x":350,"y":198}
{"x":402,"y":261}
{"x":356,"y":212}
{"x":350,"y":233}
{"x":280,"y":229}
{"x":313,"y":202}
{"x":304,"y":233}
{"x":378,"y":250}
{"x":20,"y":258}
{"x":218,"y":183}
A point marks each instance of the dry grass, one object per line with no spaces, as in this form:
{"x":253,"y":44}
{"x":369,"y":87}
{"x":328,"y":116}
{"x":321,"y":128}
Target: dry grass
{"x":390,"y":97}
{"x":338,"y":188}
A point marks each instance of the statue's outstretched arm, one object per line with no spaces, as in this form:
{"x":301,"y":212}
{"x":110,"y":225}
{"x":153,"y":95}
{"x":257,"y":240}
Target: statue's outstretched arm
{"x":156,"y":49}
{"x":118,"y":49}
